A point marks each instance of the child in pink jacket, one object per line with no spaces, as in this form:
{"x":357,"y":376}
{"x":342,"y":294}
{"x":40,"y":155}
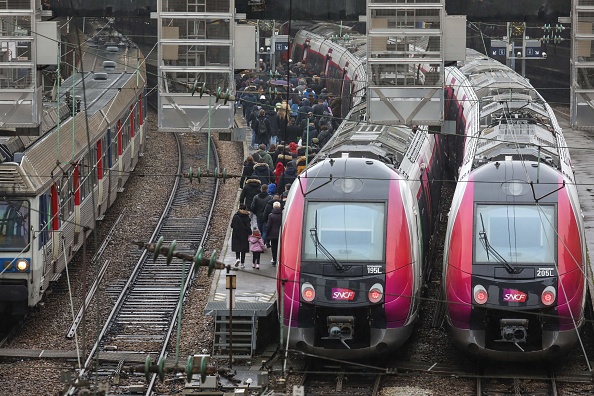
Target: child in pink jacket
{"x":257,"y":246}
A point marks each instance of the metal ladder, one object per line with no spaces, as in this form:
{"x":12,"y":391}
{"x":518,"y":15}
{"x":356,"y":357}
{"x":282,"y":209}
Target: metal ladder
{"x":244,"y":337}
{"x":196,"y":31}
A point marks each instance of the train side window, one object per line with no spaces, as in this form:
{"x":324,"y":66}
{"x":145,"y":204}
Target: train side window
{"x":106,"y":151}
{"x":334,"y":80}
{"x":125,"y":132}
{"x":82,"y":172}
{"x":66,"y":200}
{"x":298,"y":53}
{"x":114,"y":146}
{"x":44,"y":219}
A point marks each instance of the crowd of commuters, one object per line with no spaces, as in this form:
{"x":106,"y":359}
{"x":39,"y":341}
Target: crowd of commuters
{"x":287,"y":130}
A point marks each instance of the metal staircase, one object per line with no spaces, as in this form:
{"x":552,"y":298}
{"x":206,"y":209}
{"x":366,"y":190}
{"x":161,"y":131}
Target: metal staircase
{"x":250,"y":321}
{"x":242,"y":344}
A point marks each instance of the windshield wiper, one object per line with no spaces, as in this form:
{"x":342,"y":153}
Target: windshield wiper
{"x":490,"y":249}
{"x":313,"y":233}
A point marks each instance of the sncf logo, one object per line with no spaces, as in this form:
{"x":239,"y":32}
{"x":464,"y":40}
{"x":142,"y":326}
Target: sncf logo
{"x":339,"y":293}
{"x":510,"y":295}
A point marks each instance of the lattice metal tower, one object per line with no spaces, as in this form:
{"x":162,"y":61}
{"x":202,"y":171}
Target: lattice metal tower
{"x":20,"y":87}
{"x":195,"y":44}
{"x":405,"y":61}
{"x":582,"y":64}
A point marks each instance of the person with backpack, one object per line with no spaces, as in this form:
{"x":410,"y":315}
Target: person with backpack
{"x":263,"y":173}
{"x":274,"y":122}
{"x":262,"y":129}
{"x":251,"y":121}
{"x":259,"y":205}
{"x":265,"y":156}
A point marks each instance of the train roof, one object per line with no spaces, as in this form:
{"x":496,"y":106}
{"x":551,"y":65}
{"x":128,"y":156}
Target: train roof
{"x":514,"y":119}
{"x":356,"y":44}
{"x":369,"y":177}
{"x":108,"y":73}
{"x":387,"y":143}
{"x":108,"y":98}
{"x":516,"y":181}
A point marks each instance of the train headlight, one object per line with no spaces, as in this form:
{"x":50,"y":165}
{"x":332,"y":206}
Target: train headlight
{"x":548,"y":295}
{"x":22,"y":265}
{"x":480,"y":295}
{"x":308,"y":293}
{"x":8,"y":265}
{"x":375,"y":293}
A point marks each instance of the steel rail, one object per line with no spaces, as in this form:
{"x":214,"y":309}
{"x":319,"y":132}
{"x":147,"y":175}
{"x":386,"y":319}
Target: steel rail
{"x":94,"y":352}
{"x":189,"y":276}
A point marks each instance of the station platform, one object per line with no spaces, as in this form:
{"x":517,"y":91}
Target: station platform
{"x":256,"y":288}
{"x":252,"y":319}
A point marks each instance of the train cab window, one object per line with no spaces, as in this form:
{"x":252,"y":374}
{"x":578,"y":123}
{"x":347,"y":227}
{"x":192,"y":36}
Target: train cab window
{"x":14,"y":225}
{"x":350,"y":231}
{"x":519,"y":233}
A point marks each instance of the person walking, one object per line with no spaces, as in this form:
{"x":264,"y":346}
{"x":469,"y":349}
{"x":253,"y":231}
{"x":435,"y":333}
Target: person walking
{"x":248,"y":169}
{"x":251,"y":188}
{"x":257,"y":246}
{"x":278,"y":171}
{"x":261,"y":126}
{"x":265,"y":156}
{"x":288,"y":177}
{"x":241,"y":226}
{"x":259,"y":204}
{"x":273,"y":227}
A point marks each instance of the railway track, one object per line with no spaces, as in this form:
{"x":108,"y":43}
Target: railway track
{"x":144,"y":316}
{"x":522,"y":381}
{"x":340,"y":379}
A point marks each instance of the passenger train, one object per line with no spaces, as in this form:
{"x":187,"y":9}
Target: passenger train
{"x":357,"y":227}
{"x":514,"y":267}
{"x":341,"y":64}
{"x":52,"y":187}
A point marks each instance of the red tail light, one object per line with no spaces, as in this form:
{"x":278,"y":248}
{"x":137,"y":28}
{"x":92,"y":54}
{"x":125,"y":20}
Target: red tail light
{"x":308,"y":293}
{"x":548,"y":295}
{"x":480,"y":295}
{"x":376,"y":292}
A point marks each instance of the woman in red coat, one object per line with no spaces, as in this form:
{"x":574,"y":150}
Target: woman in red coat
{"x":280,"y":168}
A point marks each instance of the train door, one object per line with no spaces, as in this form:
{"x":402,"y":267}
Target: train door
{"x":347,"y":88}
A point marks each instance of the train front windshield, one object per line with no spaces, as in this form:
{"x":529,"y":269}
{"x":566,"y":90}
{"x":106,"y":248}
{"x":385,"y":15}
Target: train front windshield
{"x":349,"y":231}
{"x":518,"y":233}
{"x":14,"y":225}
